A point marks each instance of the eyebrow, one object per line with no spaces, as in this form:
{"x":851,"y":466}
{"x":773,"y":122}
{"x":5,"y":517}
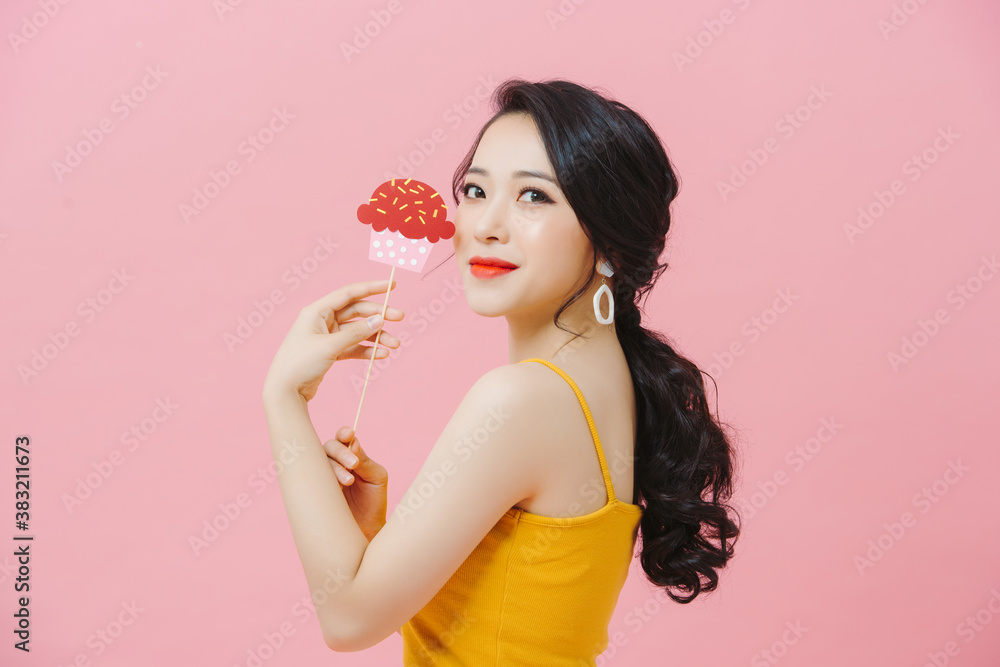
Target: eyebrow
{"x":521,"y":173}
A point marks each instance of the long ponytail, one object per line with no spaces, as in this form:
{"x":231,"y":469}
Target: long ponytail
{"x":681,"y":455}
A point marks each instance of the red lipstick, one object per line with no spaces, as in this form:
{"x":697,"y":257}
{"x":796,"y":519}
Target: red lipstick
{"x":490,"y":267}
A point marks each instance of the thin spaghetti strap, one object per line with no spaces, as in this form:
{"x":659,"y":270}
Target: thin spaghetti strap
{"x":590,"y":422}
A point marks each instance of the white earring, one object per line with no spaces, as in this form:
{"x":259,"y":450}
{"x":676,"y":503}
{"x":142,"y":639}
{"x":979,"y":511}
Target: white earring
{"x":605,"y":270}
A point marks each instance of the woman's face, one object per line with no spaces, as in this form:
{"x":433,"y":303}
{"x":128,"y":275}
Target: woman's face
{"x":507,"y":213}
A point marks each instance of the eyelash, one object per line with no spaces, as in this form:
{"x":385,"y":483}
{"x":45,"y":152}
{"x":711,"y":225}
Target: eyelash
{"x":545,"y":198}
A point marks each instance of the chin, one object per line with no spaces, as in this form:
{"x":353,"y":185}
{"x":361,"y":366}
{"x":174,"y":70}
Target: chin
{"x":485,"y":306}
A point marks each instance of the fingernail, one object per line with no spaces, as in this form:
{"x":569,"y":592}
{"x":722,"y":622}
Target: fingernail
{"x":351,"y":459}
{"x":374,"y":321}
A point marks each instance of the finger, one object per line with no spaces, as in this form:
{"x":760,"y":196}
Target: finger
{"x":384,"y":338}
{"x":363,"y":352}
{"x":366,"y":308}
{"x":341,"y":297}
{"x":366,"y":468}
{"x":347,"y":436}
{"x":352,"y":333}
{"x":338,"y":451}
{"x":342,"y":474}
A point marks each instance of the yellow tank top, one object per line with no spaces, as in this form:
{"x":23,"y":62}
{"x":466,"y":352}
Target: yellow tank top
{"x":537,"y":590}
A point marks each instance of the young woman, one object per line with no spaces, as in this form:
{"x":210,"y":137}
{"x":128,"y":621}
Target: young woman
{"x":513,"y":543}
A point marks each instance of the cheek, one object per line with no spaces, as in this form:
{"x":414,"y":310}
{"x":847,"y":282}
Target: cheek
{"x":573,"y":246}
{"x":529,"y":221}
{"x":461,"y":225}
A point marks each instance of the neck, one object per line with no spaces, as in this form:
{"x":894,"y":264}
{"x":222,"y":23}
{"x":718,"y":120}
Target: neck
{"x":537,"y":336}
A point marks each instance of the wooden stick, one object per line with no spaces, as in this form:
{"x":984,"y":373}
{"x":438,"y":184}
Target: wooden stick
{"x":374,"y":351}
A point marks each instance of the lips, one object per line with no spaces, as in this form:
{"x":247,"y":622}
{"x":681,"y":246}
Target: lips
{"x":492,"y":261}
{"x":490,"y":267}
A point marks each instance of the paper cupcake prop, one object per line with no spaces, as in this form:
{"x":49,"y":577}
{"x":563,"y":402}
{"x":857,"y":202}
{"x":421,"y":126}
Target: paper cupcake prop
{"x":406,"y":218}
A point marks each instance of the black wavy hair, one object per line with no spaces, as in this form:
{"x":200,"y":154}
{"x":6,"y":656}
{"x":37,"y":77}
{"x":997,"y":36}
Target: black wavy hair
{"x":615,"y":173}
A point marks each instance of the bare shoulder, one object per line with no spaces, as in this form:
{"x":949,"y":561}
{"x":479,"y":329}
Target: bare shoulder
{"x":518,"y":385}
{"x":535,"y":405}
{"x":479,"y":467}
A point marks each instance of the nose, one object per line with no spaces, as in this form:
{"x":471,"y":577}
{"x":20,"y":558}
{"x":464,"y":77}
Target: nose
{"x":492,"y":222}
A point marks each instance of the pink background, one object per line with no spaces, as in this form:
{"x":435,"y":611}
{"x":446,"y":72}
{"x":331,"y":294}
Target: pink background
{"x":161,"y":336}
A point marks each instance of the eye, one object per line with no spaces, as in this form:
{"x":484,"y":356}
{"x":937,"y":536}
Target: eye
{"x":465,"y":189}
{"x":543,"y":198}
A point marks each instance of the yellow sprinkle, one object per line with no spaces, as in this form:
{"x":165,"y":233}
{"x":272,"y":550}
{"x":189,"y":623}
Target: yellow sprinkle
{"x":401,"y":190}
{"x":422,"y":211}
{"x":421,"y":201}
{"x":380,"y":210}
{"x":435,"y":213}
{"x":395,"y":200}
{"x":403,"y":206}
{"x":421,"y":188}
{"x":372,"y":199}
{"x":408,"y":218}
{"x":407,"y":181}
{"x":414,"y":191}
{"x":381,"y":194}
{"x":392,"y":182}
{"x":422,"y":220}
{"x":434,"y":195}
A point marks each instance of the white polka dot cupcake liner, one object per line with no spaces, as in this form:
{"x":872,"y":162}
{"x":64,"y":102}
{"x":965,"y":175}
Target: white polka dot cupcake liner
{"x":396,"y":250}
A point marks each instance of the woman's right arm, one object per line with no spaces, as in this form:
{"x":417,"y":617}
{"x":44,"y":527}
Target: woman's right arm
{"x":482,"y":464}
